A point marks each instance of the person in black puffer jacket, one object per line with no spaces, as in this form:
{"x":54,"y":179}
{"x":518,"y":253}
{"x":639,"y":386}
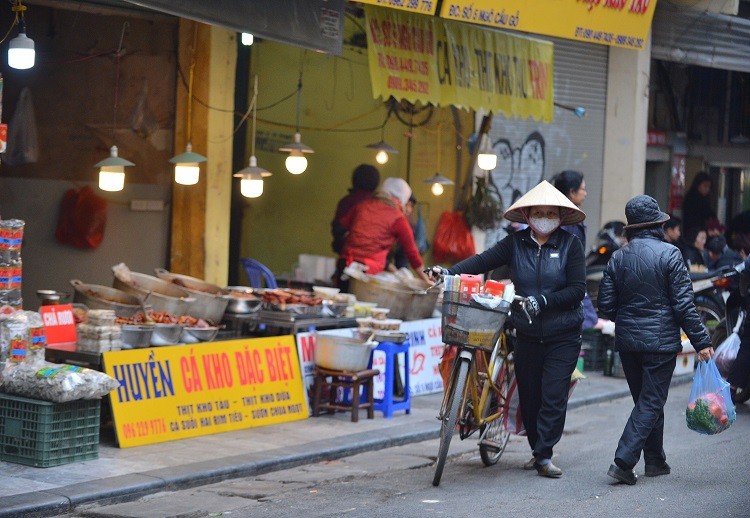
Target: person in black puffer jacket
{"x":547,"y":266}
{"x":647,"y":292}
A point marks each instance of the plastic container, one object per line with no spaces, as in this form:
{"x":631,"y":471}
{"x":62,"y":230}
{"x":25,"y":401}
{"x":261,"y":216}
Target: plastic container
{"x":43,"y":434}
{"x":342,"y":354}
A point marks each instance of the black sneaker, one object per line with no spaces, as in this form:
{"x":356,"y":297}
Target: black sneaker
{"x":654,"y":470}
{"x":623,"y":475}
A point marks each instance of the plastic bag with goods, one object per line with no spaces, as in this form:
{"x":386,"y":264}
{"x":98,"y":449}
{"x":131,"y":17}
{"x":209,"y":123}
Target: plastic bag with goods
{"x":54,"y":382}
{"x":710,"y":409}
{"x":727,"y":351}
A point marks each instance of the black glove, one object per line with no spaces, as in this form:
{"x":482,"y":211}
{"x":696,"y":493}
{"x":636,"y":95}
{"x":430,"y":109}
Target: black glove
{"x":436,"y":272}
{"x":534,"y":305}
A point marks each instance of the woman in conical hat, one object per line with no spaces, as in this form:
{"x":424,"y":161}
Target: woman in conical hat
{"x":546,"y":265}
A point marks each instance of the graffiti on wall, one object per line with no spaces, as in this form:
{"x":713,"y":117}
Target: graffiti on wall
{"x":518,"y":169}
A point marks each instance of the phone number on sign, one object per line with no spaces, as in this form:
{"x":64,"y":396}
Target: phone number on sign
{"x":425,"y":6}
{"x":609,"y":38}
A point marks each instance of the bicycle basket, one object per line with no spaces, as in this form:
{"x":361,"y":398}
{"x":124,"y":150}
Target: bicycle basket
{"x":471,"y":324}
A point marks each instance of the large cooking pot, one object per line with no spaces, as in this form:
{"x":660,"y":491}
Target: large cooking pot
{"x":95,"y":296}
{"x":160,"y":294}
{"x":210,"y":300}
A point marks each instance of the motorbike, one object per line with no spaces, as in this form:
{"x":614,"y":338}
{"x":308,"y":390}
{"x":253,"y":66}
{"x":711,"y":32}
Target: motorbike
{"x":734,"y":309}
{"x":610,"y":238}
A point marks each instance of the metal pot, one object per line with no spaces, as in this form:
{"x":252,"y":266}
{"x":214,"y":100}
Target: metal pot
{"x":210,"y":300}
{"x":242,"y":305}
{"x":95,"y":296}
{"x":160,"y":294}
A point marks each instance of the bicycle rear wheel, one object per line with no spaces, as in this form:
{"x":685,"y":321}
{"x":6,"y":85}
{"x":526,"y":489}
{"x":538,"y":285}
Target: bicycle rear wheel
{"x":493,"y":435}
{"x":449,"y":420}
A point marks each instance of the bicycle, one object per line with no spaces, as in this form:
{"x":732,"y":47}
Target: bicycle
{"x":477,"y":391}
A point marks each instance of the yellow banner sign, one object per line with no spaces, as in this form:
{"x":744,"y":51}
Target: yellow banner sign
{"x":428,"y":60}
{"x":169,"y":393}
{"x":620,"y":23}
{"x":414,"y":6}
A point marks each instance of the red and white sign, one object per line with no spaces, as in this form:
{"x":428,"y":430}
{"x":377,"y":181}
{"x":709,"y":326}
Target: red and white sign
{"x":59,"y":323}
{"x":425,"y":350}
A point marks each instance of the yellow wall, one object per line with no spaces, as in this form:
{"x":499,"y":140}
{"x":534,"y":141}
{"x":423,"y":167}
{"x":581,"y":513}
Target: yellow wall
{"x":294,"y":213}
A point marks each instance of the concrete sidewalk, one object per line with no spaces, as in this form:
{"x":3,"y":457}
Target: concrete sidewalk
{"x":131,"y":472}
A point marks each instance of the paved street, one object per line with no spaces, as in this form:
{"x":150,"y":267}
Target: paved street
{"x":709,"y":478}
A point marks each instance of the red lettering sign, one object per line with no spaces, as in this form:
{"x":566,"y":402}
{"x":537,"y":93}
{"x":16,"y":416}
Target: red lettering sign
{"x":59,"y":324}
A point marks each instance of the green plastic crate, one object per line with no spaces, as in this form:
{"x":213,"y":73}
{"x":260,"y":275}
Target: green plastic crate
{"x":43,"y":434}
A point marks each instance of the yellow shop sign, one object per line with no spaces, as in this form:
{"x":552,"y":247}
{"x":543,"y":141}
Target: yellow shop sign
{"x":414,"y":6}
{"x":169,"y":393}
{"x":429,"y":60}
{"x":619,"y":23}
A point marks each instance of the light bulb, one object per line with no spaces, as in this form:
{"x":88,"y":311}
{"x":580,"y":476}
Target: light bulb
{"x":247,"y":39}
{"x":21,"y":52}
{"x":187,"y":173}
{"x":487,"y":161}
{"x":437,"y":189}
{"x":296,"y":163}
{"x":251,"y":188}
{"x":112,"y":178}
{"x":381,"y":157}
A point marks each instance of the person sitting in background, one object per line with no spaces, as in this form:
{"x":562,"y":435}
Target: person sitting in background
{"x":719,"y":255}
{"x":673,"y":232}
{"x":692,"y":252}
{"x":397,"y":258}
{"x":375,"y":225}
{"x":714,"y":227}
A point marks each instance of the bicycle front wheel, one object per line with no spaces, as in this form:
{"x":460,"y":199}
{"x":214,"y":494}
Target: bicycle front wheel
{"x":449,"y":420}
{"x":494,"y":436}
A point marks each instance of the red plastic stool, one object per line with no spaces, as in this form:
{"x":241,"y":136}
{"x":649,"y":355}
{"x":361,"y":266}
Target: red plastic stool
{"x":346,"y":380}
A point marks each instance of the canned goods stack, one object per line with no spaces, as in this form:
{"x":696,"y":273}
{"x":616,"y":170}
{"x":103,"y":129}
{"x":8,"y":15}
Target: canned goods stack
{"x":11,"y":237}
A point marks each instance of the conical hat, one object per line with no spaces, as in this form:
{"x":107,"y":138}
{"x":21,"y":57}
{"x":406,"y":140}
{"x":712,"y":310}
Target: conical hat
{"x":545,"y":194}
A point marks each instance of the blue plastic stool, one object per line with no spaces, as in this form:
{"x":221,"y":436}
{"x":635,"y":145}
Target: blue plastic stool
{"x":257,"y":273}
{"x":388,"y":404}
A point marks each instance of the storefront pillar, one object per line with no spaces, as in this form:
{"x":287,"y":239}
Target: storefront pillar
{"x":200,"y":213}
{"x":626,"y":130}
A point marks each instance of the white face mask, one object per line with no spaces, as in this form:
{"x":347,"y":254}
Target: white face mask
{"x":544,"y":226}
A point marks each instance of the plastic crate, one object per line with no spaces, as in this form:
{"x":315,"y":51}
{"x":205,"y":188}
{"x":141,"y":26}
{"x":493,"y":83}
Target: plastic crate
{"x":594,"y":350}
{"x":43,"y":434}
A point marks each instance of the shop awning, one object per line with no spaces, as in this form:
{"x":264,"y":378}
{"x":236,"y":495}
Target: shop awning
{"x":312,"y":24}
{"x":429,"y":60}
{"x":701,"y":38}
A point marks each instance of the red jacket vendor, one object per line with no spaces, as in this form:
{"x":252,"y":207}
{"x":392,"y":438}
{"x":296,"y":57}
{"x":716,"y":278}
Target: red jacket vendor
{"x":375,"y":225}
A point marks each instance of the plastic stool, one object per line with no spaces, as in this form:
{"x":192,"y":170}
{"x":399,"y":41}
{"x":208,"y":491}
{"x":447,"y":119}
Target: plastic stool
{"x":388,"y":404}
{"x":347,"y":380}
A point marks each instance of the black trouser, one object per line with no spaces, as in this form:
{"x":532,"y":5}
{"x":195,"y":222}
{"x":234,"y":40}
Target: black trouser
{"x":543,"y":372}
{"x":739,"y":373}
{"x":648,"y":376}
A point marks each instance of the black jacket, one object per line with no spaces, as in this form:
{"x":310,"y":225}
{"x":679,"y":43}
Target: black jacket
{"x":646,"y":290}
{"x":555,"y":270}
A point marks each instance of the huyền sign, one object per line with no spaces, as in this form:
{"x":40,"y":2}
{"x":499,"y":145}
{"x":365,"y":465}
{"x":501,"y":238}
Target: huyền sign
{"x":169,"y":393}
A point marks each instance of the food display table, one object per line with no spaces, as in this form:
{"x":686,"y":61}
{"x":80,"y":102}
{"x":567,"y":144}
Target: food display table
{"x":280,"y":322}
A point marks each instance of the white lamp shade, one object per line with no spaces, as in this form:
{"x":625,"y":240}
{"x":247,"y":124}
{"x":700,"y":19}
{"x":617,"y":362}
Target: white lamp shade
{"x":251,"y":188}
{"x":381,"y":157}
{"x":296,"y":163}
{"x":437,"y":189}
{"x":487,"y":161}
{"x":111,"y":178}
{"x":187,"y":173}
{"x":21,"y":52}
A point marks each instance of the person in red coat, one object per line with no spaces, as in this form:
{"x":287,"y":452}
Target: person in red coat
{"x":375,"y":225}
{"x":365,"y":179}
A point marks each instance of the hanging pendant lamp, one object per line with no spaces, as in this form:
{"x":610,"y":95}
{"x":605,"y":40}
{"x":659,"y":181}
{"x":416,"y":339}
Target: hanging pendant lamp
{"x":251,"y":177}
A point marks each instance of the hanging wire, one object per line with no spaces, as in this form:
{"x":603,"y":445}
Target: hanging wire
{"x":118,"y":56}
{"x":191,"y":76}
{"x":18,"y":8}
{"x":253,"y":104}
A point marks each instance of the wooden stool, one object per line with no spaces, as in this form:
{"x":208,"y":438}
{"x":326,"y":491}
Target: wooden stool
{"x":347,"y":380}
